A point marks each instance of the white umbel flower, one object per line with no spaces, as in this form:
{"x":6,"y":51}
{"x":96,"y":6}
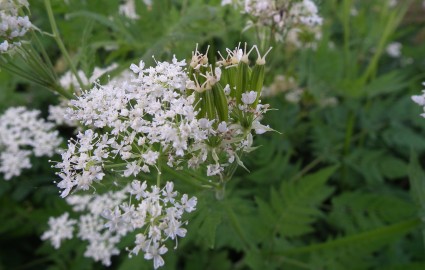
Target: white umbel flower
{"x":155,"y":214}
{"x":420,"y":100}
{"x":13,"y":26}
{"x":61,"y":228}
{"x":22,"y":134}
{"x":289,"y":18}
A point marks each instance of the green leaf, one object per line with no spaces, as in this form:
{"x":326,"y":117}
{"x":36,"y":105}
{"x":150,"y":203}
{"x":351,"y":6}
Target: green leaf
{"x":385,"y":84}
{"x":417,"y":182}
{"x":135,"y":262}
{"x":359,"y":211}
{"x":206,"y":221}
{"x":294,"y":207}
{"x":362,"y":240}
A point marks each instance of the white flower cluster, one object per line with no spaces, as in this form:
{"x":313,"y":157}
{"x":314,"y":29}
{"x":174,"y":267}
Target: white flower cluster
{"x":57,"y":114}
{"x":394,"y":49}
{"x":294,"y":21}
{"x":293,"y":92}
{"x":12,"y":25}
{"x":104,"y":219}
{"x":128,"y":8}
{"x":149,"y":118}
{"x":23,"y":133}
{"x":144,"y":115}
{"x":166,"y":117}
{"x":420,"y":100}
{"x":69,"y":82}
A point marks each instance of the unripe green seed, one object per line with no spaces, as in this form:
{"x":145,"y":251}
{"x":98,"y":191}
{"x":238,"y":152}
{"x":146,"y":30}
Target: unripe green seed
{"x":220,"y":102}
{"x":242,"y":80}
{"x":257,"y":80}
{"x":209,"y":104}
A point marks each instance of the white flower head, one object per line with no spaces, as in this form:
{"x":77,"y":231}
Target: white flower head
{"x":22,"y":134}
{"x":13,"y":26}
{"x":60,"y":228}
{"x":420,"y":100}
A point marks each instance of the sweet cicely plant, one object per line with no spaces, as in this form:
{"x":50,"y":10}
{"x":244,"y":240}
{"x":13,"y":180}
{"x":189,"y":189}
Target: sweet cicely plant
{"x":180,"y":122}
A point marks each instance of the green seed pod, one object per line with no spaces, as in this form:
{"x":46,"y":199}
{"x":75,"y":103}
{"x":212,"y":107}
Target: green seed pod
{"x":209,"y":104}
{"x":220,"y":102}
{"x":231,"y":74}
{"x":242,"y":80}
{"x":224,"y":79}
{"x":257,"y":80}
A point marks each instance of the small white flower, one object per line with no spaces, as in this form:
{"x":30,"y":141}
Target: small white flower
{"x":214,"y":169}
{"x":150,"y":157}
{"x":419,"y":100}
{"x":132,"y":169}
{"x":128,"y":9}
{"x":4,"y":46}
{"x":155,"y":253}
{"x":249,"y":97}
{"x":188,"y":205}
{"x":137,"y":69}
{"x":169,"y":193}
{"x":23,"y":133}
{"x":394,"y":49}
{"x":222,"y":127}
{"x":60,"y":228}
{"x":138,"y":189}
{"x":12,"y":24}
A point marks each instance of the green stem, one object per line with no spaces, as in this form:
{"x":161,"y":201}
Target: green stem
{"x":307,"y":168}
{"x":238,"y":229}
{"x":393,"y":21}
{"x":44,"y":54}
{"x":187,"y":178}
{"x":364,"y":237}
{"x":346,"y":24}
{"x":115,"y":165}
{"x":349,"y":132}
{"x":295,"y":262}
{"x":59,"y":41}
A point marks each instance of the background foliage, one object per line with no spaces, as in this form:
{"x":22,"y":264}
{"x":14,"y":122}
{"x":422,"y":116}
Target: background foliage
{"x":341,"y":188}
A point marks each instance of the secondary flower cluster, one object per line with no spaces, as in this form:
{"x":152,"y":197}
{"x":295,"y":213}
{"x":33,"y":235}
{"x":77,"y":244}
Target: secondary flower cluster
{"x":23,"y":133}
{"x":156,"y":214}
{"x":70,"y":83}
{"x":293,"y":21}
{"x":128,"y":8}
{"x":12,"y":25}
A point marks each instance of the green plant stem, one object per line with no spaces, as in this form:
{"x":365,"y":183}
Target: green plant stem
{"x":194,"y":181}
{"x":320,"y":158}
{"x":349,"y":132}
{"x":307,"y":168}
{"x":393,"y":21}
{"x":115,"y":165}
{"x":59,"y":41}
{"x":346,"y":25}
{"x":364,"y":237}
{"x":295,"y":262}
{"x":238,"y":229}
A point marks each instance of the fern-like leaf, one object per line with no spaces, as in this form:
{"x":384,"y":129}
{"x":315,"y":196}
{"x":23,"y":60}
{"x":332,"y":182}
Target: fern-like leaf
{"x":295,"y":206}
